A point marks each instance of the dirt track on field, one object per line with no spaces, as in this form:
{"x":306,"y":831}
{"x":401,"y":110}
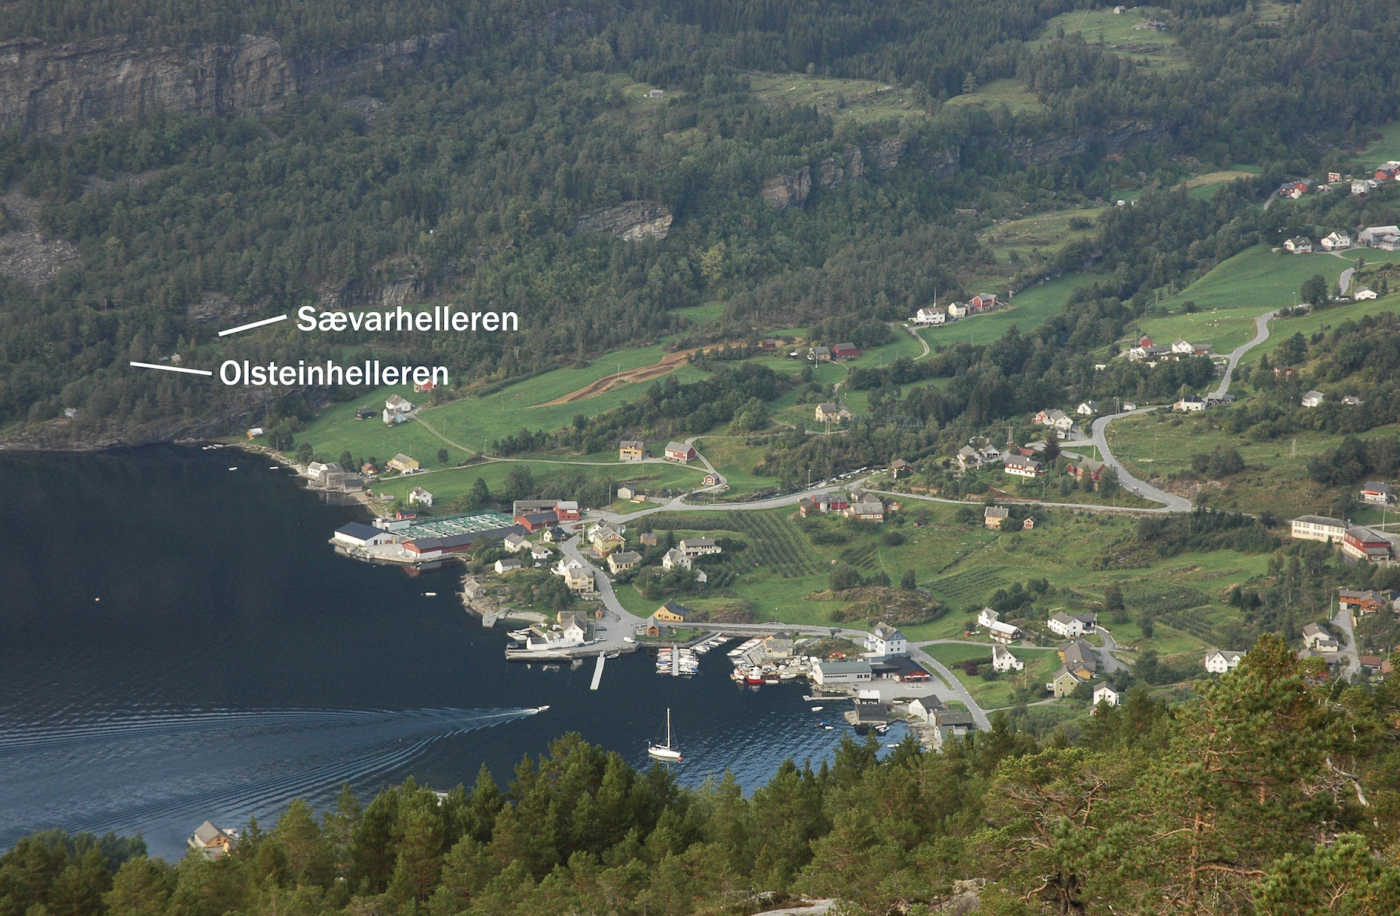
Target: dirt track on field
{"x":667,"y":363}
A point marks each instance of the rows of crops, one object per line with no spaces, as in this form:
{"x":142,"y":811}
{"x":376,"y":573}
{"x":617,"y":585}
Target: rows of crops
{"x":970,"y":586}
{"x":774,"y":545}
{"x":1162,"y":600}
{"x":1195,"y":621}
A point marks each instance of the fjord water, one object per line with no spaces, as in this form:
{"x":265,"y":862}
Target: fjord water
{"x":179,"y":642}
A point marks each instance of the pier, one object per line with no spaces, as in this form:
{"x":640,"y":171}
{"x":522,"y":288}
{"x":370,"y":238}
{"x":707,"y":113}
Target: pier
{"x":597,"y":673}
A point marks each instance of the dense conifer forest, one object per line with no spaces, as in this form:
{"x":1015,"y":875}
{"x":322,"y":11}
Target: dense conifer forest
{"x":1273,"y":793}
{"x":465,"y":176}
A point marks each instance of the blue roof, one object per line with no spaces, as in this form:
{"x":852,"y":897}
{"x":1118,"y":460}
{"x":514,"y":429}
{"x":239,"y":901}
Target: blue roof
{"x":359,"y":530}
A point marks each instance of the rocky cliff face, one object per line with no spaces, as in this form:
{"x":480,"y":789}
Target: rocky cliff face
{"x":783,"y":191}
{"x":70,"y":88}
{"x":850,"y":167}
{"x":632,"y":221}
{"x":1051,"y":149}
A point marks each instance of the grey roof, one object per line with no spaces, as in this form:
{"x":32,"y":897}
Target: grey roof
{"x":626,"y":556}
{"x":949,"y":717}
{"x":675,"y":607}
{"x":1321,"y":520}
{"x":996,"y":512}
{"x":845,"y":667}
{"x":1376,"y":487}
{"x":359,"y":530}
{"x":206,"y":832}
{"x":1080,"y":653}
{"x":887,"y":632}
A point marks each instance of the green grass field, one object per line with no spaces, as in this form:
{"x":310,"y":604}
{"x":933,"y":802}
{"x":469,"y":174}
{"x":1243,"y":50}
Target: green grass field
{"x":1048,"y":232}
{"x":1009,"y":92}
{"x":1325,"y":320}
{"x":1029,"y":309}
{"x":1122,"y":34}
{"x":994,"y":694}
{"x":861,"y":101}
{"x":1231,"y":296}
{"x":1275,"y":476}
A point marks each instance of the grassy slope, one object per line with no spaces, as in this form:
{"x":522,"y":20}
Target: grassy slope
{"x":1275,"y":476}
{"x":1236,"y":292}
{"x":1117,"y":33}
{"x":1030,"y":308}
{"x":861,"y":101}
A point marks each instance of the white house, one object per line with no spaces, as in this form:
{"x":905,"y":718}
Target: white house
{"x":1377,"y":493}
{"x":1298,"y":245}
{"x":420,"y":497}
{"x":1106,"y":694}
{"x":987,"y":617}
{"x":675,"y":558}
{"x":1003,"y":660}
{"x":1189,"y":404}
{"x":1313,"y":399}
{"x":1065,"y":625}
{"x":1363,"y":185}
{"x":1221,"y":662}
{"x":514,"y":543}
{"x":930,"y":315}
{"x":398,"y":404}
{"x":699,"y":547}
{"x":318,"y":469}
{"x":1319,"y":528}
{"x":1363,"y":293}
{"x":1022,"y":467}
{"x":924,"y":708}
{"x":1318,"y":639}
{"x":1182,"y":346}
{"x":957,"y":310}
{"x":508,"y":566}
{"x":1336,"y":241}
{"x":1062,"y":421}
{"x":884,"y":641}
{"x":1087,"y":408}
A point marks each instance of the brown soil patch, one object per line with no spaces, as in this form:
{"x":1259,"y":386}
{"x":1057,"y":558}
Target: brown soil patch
{"x":643,"y":374}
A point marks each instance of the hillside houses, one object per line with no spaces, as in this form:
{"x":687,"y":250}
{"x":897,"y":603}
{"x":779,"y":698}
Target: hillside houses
{"x":1298,"y":245}
{"x":828,"y":412}
{"x":1385,"y":238}
{"x":932,"y":316}
{"x":1318,"y":528}
{"x":1222,"y":662}
{"x":1336,"y":241}
{"x":1061,"y":421}
{"x":1003,"y":660}
{"x":1019,"y":466}
{"x":1377,"y":494}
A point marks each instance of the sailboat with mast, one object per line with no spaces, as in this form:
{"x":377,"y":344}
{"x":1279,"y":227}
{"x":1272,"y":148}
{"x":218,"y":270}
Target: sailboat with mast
{"x":665,"y":751}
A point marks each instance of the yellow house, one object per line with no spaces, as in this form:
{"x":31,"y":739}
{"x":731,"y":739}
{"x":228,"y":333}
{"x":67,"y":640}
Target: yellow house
{"x":672,"y":612}
{"x":605,"y":542}
{"x":631,"y":450}
{"x":403,"y":463}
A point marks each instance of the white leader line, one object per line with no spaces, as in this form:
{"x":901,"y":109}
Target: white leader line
{"x":172,"y":368}
{"x":255,"y":324}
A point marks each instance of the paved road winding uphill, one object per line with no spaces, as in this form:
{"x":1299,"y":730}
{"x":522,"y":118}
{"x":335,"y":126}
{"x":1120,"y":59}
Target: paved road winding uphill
{"x":1261,"y":334}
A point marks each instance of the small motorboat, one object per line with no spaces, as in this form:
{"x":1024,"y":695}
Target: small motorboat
{"x":541,"y":708}
{"x":818,"y":708}
{"x":430,"y":594}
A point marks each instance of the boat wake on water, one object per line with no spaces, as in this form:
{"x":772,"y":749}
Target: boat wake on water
{"x":163,"y":773}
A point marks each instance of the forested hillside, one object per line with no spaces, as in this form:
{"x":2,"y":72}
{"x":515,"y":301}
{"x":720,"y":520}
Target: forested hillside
{"x":461,"y":178}
{"x":1272,"y":794}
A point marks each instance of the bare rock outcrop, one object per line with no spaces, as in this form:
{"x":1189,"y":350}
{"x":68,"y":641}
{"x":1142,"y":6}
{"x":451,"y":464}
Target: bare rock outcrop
{"x":885,"y":154}
{"x":783,"y":191}
{"x":632,"y":221}
{"x":55,"y":89}
{"x":1051,"y":149}
{"x":849,"y":167}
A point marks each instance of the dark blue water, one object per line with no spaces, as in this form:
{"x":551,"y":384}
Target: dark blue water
{"x":179,"y":642}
